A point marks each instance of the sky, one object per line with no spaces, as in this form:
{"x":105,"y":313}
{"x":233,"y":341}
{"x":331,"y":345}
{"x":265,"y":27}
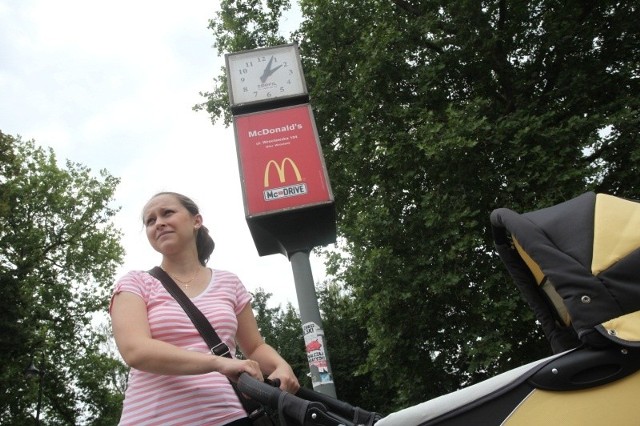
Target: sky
{"x":111,"y":85}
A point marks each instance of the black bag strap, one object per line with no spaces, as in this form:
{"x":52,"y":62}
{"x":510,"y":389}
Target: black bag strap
{"x":208,"y":333}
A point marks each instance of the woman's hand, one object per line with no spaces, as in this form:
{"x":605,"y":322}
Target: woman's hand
{"x":254,"y":347}
{"x":233,"y":368}
{"x":288,"y":380}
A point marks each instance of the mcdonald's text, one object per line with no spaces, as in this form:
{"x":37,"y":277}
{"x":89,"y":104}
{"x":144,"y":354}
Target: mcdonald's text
{"x":273,"y":130}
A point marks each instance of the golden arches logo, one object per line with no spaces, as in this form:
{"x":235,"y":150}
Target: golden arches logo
{"x":280,"y":170}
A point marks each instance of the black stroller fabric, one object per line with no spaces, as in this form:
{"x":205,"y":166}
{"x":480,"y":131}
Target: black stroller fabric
{"x":576,"y":264}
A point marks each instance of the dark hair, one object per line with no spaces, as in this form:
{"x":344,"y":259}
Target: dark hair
{"x":204,"y":242}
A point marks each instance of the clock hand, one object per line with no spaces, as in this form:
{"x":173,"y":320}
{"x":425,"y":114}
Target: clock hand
{"x":268,"y":71}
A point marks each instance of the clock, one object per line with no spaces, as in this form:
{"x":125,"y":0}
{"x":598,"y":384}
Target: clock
{"x":265,"y":76}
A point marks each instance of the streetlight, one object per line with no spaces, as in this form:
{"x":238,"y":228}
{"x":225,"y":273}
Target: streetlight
{"x":31,"y":372}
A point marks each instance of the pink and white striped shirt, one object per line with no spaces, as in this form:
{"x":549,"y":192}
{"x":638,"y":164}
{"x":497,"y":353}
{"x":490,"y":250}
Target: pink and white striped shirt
{"x":206,"y":399}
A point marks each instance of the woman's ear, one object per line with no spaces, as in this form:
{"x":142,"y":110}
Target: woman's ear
{"x":197,"y":224}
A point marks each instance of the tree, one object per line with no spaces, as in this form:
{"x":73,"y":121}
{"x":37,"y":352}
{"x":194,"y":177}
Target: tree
{"x":58,"y":253}
{"x":241,"y":25}
{"x":349,"y":345}
{"x":431,"y":114}
{"x":283,"y":331}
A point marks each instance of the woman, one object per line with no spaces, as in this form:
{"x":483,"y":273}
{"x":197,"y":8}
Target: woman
{"x":174,"y":379}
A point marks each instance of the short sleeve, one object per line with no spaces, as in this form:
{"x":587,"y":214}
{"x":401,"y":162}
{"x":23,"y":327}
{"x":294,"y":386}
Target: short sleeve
{"x":243,"y":297}
{"x":132,"y":282}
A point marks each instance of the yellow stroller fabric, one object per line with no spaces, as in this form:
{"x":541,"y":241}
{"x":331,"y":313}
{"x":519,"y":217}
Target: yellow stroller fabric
{"x":581,"y":387}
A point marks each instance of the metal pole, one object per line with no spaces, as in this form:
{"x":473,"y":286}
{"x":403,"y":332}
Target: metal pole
{"x":30,"y":372}
{"x":40,"y":385}
{"x":315,"y":342}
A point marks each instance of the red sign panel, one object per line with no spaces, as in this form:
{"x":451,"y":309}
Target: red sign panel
{"x":280,"y":160}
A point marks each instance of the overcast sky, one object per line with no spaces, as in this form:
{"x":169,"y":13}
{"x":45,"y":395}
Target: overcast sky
{"x":111,"y":85}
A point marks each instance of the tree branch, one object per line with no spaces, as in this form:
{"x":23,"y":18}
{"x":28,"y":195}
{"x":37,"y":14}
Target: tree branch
{"x":404,"y":5}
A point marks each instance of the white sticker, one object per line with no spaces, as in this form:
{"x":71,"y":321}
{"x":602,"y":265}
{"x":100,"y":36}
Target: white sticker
{"x":316,"y":354}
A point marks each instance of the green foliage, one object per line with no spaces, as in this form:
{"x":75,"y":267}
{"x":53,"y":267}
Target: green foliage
{"x":241,"y":25}
{"x":58,"y":253}
{"x":431,"y":114}
{"x":348,"y":344}
{"x":283,"y":331}
{"x":348,"y":349}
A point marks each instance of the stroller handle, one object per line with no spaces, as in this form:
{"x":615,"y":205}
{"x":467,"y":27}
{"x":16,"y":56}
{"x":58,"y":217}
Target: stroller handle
{"x":306,"y":407}
{"x":264,"y":393}
{"x":294,"y":408}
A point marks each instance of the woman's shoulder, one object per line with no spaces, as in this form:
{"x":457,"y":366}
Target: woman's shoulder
{"x":136,"y":279}
{"x":136,"y":275}
{"x":137,"y":282}
{"x":224,"y":274}
{"x":226,"y":277}
{"x":229,"y":283}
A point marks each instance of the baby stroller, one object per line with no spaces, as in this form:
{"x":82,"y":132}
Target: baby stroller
{"x":577,"y":264}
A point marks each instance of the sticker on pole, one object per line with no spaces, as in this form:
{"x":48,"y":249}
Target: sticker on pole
{"x":316,"y":354}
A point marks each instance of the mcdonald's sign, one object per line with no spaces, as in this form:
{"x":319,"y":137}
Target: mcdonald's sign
{"x":280,"y":169}
{"x":296,"y":189}
{"x":281,"y":163}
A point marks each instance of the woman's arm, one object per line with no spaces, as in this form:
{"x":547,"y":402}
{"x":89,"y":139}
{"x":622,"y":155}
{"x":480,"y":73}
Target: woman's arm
{"x":139,"y":350}
{"x":254,"y":347}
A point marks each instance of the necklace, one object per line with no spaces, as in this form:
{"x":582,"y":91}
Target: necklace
{"x":185,"y":283}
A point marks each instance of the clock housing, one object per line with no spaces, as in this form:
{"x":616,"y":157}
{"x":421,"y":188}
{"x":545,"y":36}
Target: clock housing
{"x":265,"y":78}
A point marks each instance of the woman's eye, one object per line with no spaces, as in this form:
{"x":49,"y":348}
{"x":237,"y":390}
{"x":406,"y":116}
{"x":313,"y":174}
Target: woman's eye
{"x":150,"y":221}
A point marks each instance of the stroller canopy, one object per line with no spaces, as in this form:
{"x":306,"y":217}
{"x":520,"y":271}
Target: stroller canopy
{"x":578,"y":266}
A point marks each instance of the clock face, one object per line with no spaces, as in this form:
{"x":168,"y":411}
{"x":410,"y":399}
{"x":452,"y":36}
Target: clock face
{"x":264,"y":74}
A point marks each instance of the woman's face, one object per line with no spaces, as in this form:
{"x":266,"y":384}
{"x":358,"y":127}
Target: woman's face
{"x":170,"y":227}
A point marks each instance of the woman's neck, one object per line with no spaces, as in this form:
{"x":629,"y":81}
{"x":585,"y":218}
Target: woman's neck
{"x":181,"y":267}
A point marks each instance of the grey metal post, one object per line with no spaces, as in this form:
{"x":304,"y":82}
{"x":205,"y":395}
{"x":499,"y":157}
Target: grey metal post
{"x":315,"y":342}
